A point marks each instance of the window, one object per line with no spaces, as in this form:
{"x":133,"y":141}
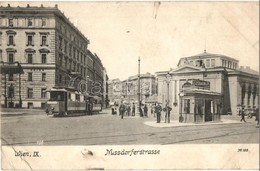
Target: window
{"x":29,"y":22}
{"x":60,"y":43}
{"x":66,"y":62}
{"x":60,"y":59}
{"x":223,"y":62}
{"x":70,"y":49}
{"x":43,"y":22}
{"x":30,"y":58}
{"x":74,"y":53}
{"x":10,"y":40}
{"x":229,"y":64}
{"x":81,"y":58}
{"x":10,"y":57}
{"x":235,"y":65}
{"x":207,"y":63}
{"x":212,"y":62}
{"x":44,"y":58}
{"x":29,"y":76}
{"x":0,"y":36}
{"x":1,"y":57}
{"x":74,"y":66}
{"x":43,"y":76}
{"x":43,"y":93}
{"x":30,"y":40}
{"x":30,"y":93}
{"x":11,"y":91}
{"x":11,"y":22}
{"x":60,"y":78}
{"x":70,"y":65}
{"x":78,"y":68}
{"x":191,"y":62}
{"x":11,"y":77}
{"x":77,"y":97}
{"x":44,"y":40}
{"x":65,"y":46}
{"x":78,"y":56}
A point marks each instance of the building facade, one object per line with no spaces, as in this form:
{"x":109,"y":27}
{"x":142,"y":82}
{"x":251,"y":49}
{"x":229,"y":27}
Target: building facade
{"x":127,"y":90}
{"x":49,"y":50}
{"x":216,"y":78}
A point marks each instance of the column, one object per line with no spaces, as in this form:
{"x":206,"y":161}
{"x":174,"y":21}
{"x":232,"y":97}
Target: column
{"x":251,"y":96}
{"x":246,"y":96}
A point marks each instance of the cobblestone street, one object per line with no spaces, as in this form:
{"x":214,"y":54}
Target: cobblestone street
{"x":104,"y":128}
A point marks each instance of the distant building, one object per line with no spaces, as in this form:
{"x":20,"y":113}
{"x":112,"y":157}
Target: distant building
{"x":208,"y":84}
{"x":40,"y":49}
{"x":127,"y":90}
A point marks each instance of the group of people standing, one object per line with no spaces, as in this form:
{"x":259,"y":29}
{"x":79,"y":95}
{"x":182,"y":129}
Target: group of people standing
{"x":156,"y":110}
{"x":126,"y":109}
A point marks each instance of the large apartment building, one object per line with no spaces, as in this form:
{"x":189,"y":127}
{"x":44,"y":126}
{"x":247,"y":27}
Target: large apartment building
{"x":40,"y":48}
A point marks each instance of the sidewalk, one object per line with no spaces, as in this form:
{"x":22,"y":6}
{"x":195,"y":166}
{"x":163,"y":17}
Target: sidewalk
{"x":5,"y":112}
{"x":178,"y":124}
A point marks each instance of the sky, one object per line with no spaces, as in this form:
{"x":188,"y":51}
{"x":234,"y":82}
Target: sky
{"x":161,"y":33}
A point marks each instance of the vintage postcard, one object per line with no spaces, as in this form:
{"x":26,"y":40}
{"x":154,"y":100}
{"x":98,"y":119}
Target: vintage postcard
{"x":129,"y":85}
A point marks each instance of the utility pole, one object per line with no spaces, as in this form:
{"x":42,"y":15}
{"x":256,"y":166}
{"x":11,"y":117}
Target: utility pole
{"x":139,"y":94}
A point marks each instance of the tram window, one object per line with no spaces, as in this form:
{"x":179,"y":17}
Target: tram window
{"x":57,"y":96}
{"x":77,"y":97}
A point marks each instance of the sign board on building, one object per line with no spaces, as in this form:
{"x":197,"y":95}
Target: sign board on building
{"x":200,"y":84}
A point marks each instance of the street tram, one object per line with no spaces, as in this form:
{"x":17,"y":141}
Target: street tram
{"x":64,"y":102}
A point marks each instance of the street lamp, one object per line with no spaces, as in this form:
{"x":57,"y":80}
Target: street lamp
{"x":168,"y":81}
{"x":139,"y":89}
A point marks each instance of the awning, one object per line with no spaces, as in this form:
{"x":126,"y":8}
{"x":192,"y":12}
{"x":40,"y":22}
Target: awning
{"x":11,"y":68}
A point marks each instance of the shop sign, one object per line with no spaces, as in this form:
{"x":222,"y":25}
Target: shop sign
{"x":201,"y":84}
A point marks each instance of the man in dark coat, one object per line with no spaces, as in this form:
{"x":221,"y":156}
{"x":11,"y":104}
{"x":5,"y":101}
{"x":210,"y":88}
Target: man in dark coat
{"x":243,"y":115}
{"x":167,"y":111}
{"x":133,"y":109}
{"x":145,"y":110}
{"x":122,"y":109}
{"x":158,"y":110}
{"x":257,"y":116}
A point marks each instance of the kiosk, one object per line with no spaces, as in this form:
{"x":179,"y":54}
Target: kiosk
{"x":198,"y":103}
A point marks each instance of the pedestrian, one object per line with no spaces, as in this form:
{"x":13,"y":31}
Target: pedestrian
{"x":128,"y":110}
{"x":133,"y":109}
{"x":167,"y":111}
{"x":122,"y":110}
{"x":158,"y":110}
{"x":243,"y":115}
{"x":141,"y":111}
{"x":145,"y":110}
{"x":152,"y":109}
{"x":257,"y":116}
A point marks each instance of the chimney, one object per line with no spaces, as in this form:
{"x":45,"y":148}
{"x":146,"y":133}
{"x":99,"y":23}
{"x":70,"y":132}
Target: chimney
{"x":56,"y":5}
{"x":41,"y":5}
{"x":205,"y":51}
{"x":8,"y":5}
{"x":28,"y":5}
